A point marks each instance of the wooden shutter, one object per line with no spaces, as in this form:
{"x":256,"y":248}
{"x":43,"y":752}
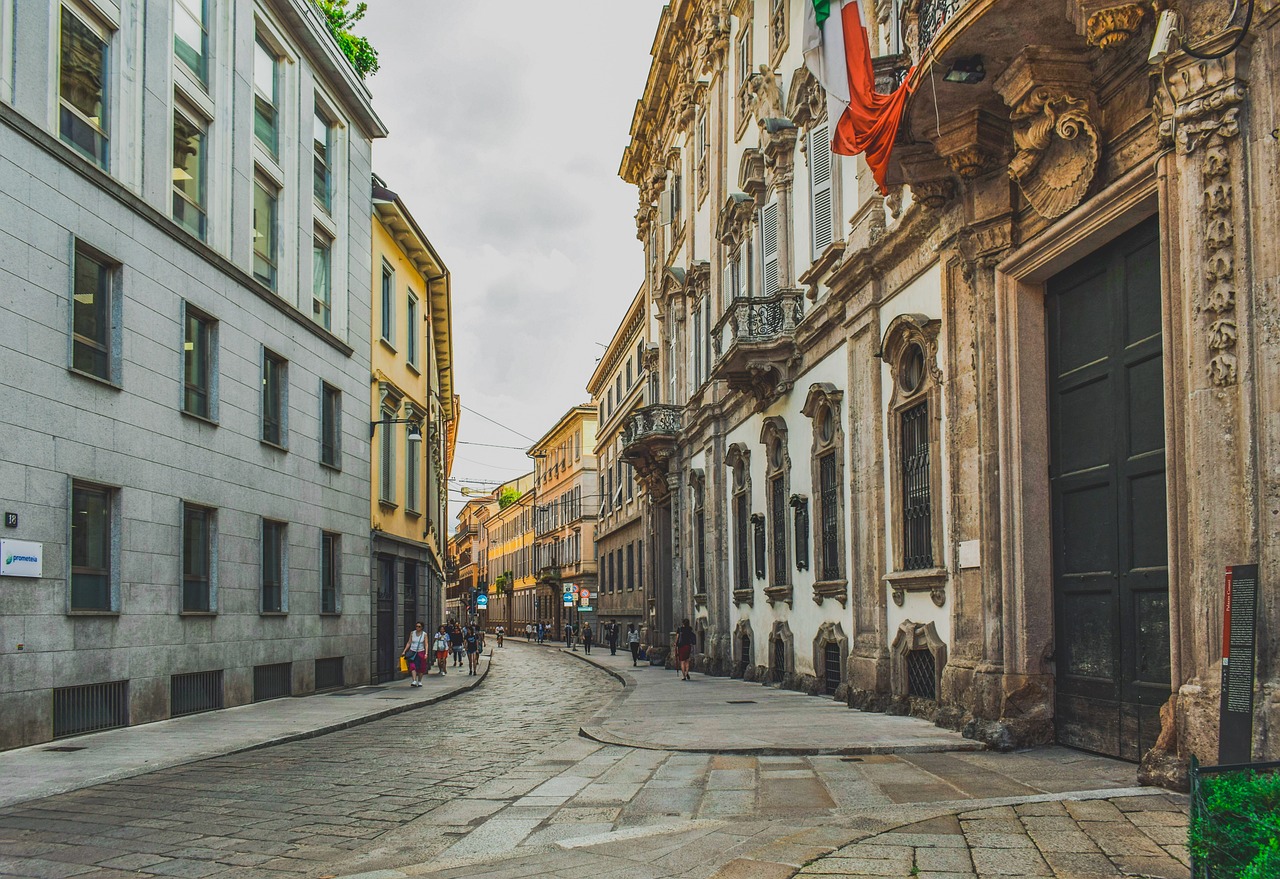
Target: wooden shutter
{"x":769,"y":246}
{"x":664,"y":207}
{"x":822,"y":221}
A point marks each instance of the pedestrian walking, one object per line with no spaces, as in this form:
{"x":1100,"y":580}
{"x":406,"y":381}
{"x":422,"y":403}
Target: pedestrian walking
{"x":538,"y":632}
{"x":633,"y":643}
{"x":471,"y":639}
{"x":441,"y":648}
{"x":528,"y":632}
{"x":415,"y":653}
{"x":455,"y":643}
{"x":588,"y":637}
{"x":611,"y":636}
{"x":685,"y":639}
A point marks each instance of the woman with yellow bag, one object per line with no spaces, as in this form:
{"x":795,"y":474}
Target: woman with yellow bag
{"x":415,"y":654}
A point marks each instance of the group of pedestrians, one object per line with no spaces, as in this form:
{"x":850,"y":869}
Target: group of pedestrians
{"x":535,"y":633}
{"x":450,"y":639}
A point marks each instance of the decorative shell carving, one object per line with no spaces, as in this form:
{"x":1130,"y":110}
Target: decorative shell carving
{"x":1109,"y":28}
{"x":1057,"y":150}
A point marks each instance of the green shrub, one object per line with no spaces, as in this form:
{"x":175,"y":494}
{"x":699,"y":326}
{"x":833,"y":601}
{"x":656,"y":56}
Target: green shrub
{"x":1235,"y":827}
{"x":341,"y":19}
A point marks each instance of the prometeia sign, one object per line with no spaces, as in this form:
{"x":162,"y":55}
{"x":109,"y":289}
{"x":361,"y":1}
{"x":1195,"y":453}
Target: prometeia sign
{"x":21,"y":558}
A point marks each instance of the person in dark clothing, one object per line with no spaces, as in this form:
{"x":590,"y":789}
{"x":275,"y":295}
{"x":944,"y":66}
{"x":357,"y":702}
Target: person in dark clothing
{"x":611,"y":636}
{"x":685,"y":641}
{"x":473,"y":641}
{"x":588,"y":638}
{"x":455,"y":643}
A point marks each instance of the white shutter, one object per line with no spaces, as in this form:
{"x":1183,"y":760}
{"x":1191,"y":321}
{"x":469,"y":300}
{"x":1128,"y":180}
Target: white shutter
{"x":664,"y":207}
{"x":769,"y":244}
{"x":746,"y":270}
{"x":822,"y":222}
{"x":729,"y":290}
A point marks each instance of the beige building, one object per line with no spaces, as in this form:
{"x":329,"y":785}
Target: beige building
{"x":622,"y":386}
{"x":564,"y":521}
{"x":411,"y":428}
{"x":979,"y":448}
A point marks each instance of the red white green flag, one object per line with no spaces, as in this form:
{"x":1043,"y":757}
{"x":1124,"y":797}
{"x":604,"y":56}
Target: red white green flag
{"x":837,"y":50}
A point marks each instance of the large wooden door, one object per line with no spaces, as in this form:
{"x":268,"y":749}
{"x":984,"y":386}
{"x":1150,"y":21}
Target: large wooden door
{"x":1107,"y":476}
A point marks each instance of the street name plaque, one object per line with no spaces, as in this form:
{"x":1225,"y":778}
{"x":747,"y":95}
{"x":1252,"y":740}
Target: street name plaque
{"x":1239,"y":638}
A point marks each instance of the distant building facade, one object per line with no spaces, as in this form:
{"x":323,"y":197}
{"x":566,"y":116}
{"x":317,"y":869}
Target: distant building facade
{"x":508,"y":576}
{"x":981,"y":447}
{"x":186,"y":361}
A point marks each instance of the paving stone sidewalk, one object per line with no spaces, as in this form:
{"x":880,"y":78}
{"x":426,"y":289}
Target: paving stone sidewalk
{"x":658,"y":710}
{"x":76,"y":763}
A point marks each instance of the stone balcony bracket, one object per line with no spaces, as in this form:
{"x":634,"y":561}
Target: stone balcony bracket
{"x":837,"y":589}
{"x":648,"y":441}
{"x":756,"y":343}
{"x":780,"y":594}
{"x":931,"y":580}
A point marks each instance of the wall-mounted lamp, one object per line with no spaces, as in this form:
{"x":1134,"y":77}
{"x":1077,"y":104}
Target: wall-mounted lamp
{"x":415,"y":426}
{"x":967,"y":71}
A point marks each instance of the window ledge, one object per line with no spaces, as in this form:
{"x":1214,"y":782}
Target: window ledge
{"x":96,"y":378}
{"x":744,"y":596}
{"x":205,"y":419}
{"x":385,"y":343}
{"x":331,"y":614}
{"x":778,"y":594}
{"x":931,"y":580}
{"x":273,"y":613}
{"x":837,"y":589}
{"x":412,"y":514}
{"x":388,"y":505}
{"x":336,"y":468}
{"x":269,"y":444}
{"x":92,"y":612}
{"x":197,"y":614}
{"x":413,"y":367}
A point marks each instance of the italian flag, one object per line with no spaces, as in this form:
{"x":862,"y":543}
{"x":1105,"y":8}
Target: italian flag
{"x":838,"y":52}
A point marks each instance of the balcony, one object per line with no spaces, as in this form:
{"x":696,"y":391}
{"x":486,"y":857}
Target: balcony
{"x":755,"y":343}
{"x":648,"y":441}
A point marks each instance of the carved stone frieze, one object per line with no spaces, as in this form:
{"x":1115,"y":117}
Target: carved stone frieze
{"x":751,"y":175}
{"x":972,"y":144}
{"x":1114,"y":26}
{"x":806,"y":101}
{"x":934,"y":194}
{"x":778,"y":142}
{"x":733,"y":225}
{"x":1197,"y":106}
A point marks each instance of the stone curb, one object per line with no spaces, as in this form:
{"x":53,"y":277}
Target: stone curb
{"x":597,"y":733}
{"x":358,"y":721}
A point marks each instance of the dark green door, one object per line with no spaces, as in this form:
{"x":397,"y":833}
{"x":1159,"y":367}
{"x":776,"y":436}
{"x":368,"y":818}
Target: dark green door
{"x":1107,"y":476}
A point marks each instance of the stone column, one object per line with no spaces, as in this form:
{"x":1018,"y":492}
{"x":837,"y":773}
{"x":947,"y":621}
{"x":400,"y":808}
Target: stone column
{"x":1211,"y":427}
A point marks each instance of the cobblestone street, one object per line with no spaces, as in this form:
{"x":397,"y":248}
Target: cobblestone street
{"x":499,"y":783}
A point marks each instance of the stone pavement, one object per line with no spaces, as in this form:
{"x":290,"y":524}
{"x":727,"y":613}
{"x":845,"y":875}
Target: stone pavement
{"x":66,"y":765}
{"x":727,"y":716}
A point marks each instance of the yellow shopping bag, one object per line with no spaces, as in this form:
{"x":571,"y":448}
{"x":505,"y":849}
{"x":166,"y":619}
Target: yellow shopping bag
{"x":404,"y":663}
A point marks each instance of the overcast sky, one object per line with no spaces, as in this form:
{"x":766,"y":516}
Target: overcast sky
{"x":508,"y":119}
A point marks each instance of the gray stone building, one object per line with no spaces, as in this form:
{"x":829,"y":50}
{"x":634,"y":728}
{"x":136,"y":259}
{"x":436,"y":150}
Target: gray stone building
{"x":184,"y":254}
{"x":979,"y":446}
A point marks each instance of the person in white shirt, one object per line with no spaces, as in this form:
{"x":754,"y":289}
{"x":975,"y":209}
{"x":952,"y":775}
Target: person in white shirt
{"x":415,"y":652}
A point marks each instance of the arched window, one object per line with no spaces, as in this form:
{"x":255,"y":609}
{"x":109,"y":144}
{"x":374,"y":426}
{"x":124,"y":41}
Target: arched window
{"x":737,"y":459}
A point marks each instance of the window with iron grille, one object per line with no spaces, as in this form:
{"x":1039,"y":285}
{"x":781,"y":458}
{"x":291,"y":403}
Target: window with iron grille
{"x":778,"y":527}
{"x":89,"y":708}
{"x":700,"y":538}
{"x":832,"y":666}
{"x":742,"y":574}
{"x":744,"y":651}
{"x":829,"y":510}
{"x":779,"y":658}
{"x":272,"y":681}
{"x":195,"y":692}
{"x":917,"y":545}
{"x":921,"y":679}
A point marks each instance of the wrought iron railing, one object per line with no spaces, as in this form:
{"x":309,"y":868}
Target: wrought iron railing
{"x":932,"y":16}
{"x":763,"y":319}
{"x":660,"y":419}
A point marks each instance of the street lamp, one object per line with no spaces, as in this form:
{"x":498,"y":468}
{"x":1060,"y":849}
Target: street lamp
{"x":414,"y":422}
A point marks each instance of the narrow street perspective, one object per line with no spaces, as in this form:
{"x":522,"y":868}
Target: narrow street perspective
{"x":646,"y":438}
{"x":506,"y":780}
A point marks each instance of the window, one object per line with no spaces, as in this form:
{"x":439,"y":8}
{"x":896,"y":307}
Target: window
{"x":413,"y":452}
{"x":640,"y":565}
{"x":701,"y":150}
{"x":189,"y":205}
{"x":322,"y":282}
{"x":697,"y":346}
{"x":829,"y":555}
{"x":737,"y":458}
{"x":82,"y":87}
{"x":197,"y":361}
{"x":330,"y":425}
{"x":197,"y":559}
{"x":917,"y":550}
{"x":411,"y":328}
{"x":387,"y":461}
{"x":265,"y":244}
{"x":823,"y":407}
{"x":820,"y":205}
{"x":266,"y":84}
{"x":388,"y":304}
{"x":769,"y":247}
{"x":630,"y":376}
{"x":773,"y":437}
{"x":329,"y":558}
{"x":92,"y":316}
{"x":617,"y":390}
{"x":699,"y":531}
{"x":191,"y":35}
{"x":744,"y":56}
{"x":92,"y":558}
{"x":274,"y":376}
{"x":273,"y":566}
{"x":322,"y":150}
{"x":631,"y":567}
{"x":910,"y":351}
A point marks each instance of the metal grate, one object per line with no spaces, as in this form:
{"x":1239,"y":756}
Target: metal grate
{"x":933,"y":15}
{"x":744,"y":651}
{"x":921,"y":680}
{"x":831,"y":663}
{"x":329,"y":673}
{"x":741,"y":576}
{"x":830,"y":514}
{"x":272,"y":681}
{"x":195,"y":692}
{"x":779,"y":659}
{"x":88,"y":708}
{"x":778,"y":511}
{"x":917,"y":540}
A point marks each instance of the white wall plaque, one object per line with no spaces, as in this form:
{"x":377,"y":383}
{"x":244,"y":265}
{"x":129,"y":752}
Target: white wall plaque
{"x":970,"y":554}
{"x":21,"y":558}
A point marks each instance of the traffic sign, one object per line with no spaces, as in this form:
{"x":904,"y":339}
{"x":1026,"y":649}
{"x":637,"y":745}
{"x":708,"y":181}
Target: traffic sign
{"x":482,"y":601}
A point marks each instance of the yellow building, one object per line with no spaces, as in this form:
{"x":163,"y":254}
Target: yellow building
{"x":508,"y":577}
{"x":413,"y":414}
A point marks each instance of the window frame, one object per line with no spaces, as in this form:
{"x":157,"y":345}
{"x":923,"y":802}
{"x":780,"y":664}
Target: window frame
{"x":201,"y":73}
{"x":320,"y":117}
{"x":411,"y":347}
{"x":387,"y":460}
{"x":210,"y":336}
{"x":322,"y":307}
{"x":101,"y":130}
{"x":209,"y":551}
{"x":738,"y":459}
{"x":271,"y":101}
{"x":275,"y":376}
{"x":274,"y":531}
{"x":330,"y":426}
{"x":777,"y":459}
{"x":200,"y":205}
{"x":111,"y":285}
{"x":330,"y":573}
{"x":412,"y":473}
{"x":388,"y":296}
{"x":824,"y":399}
{"x":110,"y":541}
{"x":264,"y":184}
